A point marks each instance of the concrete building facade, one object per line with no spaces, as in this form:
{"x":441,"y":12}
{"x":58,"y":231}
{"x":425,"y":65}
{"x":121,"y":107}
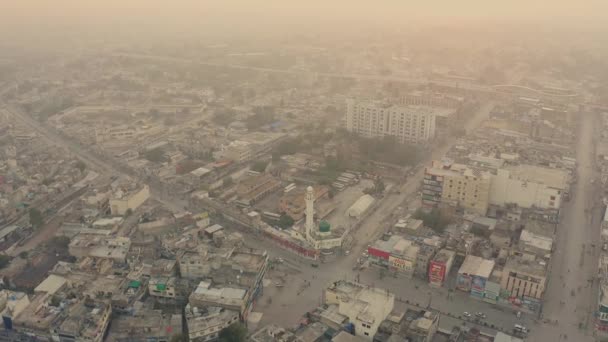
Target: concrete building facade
{"x":456,"y":185}
{"x":524,"y":277}
{"x":409,"y":124}
{"x":121,"y":202}
{"x":529,"y":186}
{"x":440,"y":267}
{"x":366,"y":307}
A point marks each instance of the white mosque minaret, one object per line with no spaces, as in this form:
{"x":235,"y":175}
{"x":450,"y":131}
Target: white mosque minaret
{"x":310,"y":212}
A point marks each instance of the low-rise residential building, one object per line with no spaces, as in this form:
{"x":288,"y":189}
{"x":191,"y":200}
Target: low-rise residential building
{"x":49,"y":317}
{"x":100,"y":247}
{"x":241,"y":267}
{"x":366,"y":307}
{"x":124,"y":199}
{"x":601,"y":314}
{"x":411,"y":325}
{"x":12,"y":303}
{"x":230,"y":298}
{"x":525,"y":278}
{"x":256,"y":187}
{"x":473,"y":274}
{"x":163,"y":287}
{"x":238,"y":151}
{"x":423,"y":327}
{"x":601,"y":322}
{"x":535,"y":244}
{"x":274,"y":333}
{"x":397,"y":254}
{"x":145,"y":324}
{"x":37,"y":318}
{"x":87,"y":321}
{"x":205,"y":324}
{"x":423,"y":259}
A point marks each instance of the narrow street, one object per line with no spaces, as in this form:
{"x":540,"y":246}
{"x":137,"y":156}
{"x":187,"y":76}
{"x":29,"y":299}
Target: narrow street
{"x":571,"y":290}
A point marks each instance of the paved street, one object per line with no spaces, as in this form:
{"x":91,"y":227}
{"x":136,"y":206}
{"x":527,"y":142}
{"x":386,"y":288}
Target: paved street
{"x":575,"y":258}
{"x":290,"y":302}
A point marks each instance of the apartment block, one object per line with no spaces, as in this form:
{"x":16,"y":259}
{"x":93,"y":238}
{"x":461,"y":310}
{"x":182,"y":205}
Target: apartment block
{"x":456,"y":185}
{"x":409,"y":124}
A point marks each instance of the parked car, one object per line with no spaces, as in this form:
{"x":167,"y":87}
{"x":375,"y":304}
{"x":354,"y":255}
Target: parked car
{"x":481,"y":315}
{"x":466,"y":314}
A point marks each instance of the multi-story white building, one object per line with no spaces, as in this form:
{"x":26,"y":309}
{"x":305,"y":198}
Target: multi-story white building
{"x":409,"y":124}
{"x":366,"y":307}
{"x":529,"y":186}
{"x":124,"y":199}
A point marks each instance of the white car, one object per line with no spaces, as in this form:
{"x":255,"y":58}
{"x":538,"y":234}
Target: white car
{"x":466,"y":314}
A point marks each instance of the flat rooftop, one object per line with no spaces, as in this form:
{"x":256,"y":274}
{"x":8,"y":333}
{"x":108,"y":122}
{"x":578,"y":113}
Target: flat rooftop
{"x":444,"y":255}
{"x":533,"y":267}
{"x":477,"y":266}
{"x":553,"y":178}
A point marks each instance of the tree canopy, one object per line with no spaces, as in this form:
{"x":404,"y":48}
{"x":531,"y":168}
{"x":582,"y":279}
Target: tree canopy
{"x":259,"y":166}
{"x":156,"y":155}
{"x":36,"y":218}
{"x":4,"y":260}
{"x":285,"y":221}
{"x":233,"y":333}
{"x":80,"y":165}
{"x":388,"y":150}
{"x":263,"y":115}
{"x":223,"y":116}
{"x":433,"y":219}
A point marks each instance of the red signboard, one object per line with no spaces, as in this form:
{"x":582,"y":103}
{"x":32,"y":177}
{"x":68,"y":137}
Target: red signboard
{"x":436,"y":272}
{"x":378,"y":253}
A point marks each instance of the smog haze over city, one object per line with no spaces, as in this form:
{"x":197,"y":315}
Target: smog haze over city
{"x":303,"y":171}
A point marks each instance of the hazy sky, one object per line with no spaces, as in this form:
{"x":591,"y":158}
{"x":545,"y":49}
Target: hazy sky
{"x":277,"y":14}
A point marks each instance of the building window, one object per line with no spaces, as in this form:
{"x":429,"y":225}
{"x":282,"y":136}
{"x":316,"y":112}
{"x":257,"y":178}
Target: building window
{"x":366,"y":334}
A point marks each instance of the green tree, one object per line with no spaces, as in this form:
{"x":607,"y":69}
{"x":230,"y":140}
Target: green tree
{"x":223,"y":116}
{"x":388,"y":150}
{"x":156,"y":155}
{"x":4,"y":260}
{"x":23,"y":255}
{"x":263,"y":115}
{"x":60,"y":242}
{"x":36,"y":218}
{"x":379,"y":186}
{"x":228,"y":181}
{"x":259,"y":166}
{"x":288,"y":146}
{"x":285,"y":221}
{"x":233,"y":333}
{"x":433,"y":219}
{"x":80,"y":165}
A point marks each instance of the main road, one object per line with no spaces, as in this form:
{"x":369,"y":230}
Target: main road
{"x":288,"y":305}
{"x":103,"y":166}
{"x":290,"y":302}
{"x":571,"y":294}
